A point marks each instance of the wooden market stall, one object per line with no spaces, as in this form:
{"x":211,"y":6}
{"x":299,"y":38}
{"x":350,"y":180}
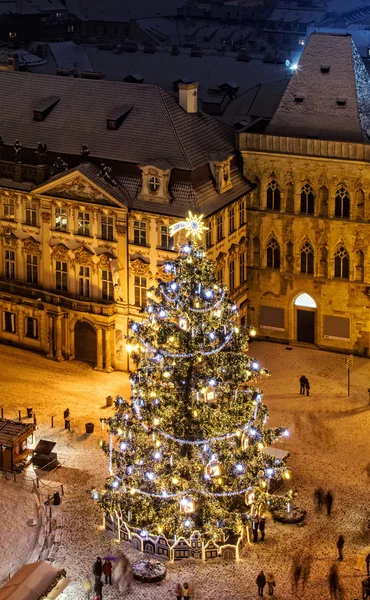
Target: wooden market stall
{"x":34,"y":581}
{"x":14,"y":436}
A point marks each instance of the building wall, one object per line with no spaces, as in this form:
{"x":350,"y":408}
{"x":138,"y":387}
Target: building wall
{"x":343,"y":304}
{"x":66,"y":321}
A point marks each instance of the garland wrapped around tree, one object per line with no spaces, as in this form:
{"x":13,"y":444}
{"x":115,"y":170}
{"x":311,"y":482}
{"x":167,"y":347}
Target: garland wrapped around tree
{"x":187,"y":451}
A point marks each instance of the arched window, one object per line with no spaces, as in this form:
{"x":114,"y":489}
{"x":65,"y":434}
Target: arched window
{"x":273,"y":195}
{"x":360,"y":205}
{"x":307,"y":259}
{"x":273,"y":254}
{"x":307,"y":200}
{"x":341,"y":263}
{"x":342,"y":203}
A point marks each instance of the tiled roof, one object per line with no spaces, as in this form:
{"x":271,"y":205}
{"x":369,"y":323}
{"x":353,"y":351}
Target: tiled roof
{"x":157,"y":128}
{"x":328,"y":97}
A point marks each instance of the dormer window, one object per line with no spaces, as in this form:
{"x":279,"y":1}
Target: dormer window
{"x":44,"y":107}
{"x":341,"y":102}
{"x":154,"y":184}
{"x":221,"y":171}
{"x":325,"y":69}
{"x":299,"y":98}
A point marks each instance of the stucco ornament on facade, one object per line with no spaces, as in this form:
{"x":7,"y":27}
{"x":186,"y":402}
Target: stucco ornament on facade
{"x":60,"y":252}
{"x":46,"y":217}
{"x":77,"y":188}
{"x":30,"y":246}
{"x":8,"y":239}
{"x":139,"y":267}
{"x":121,"y":228}
{"x":83,"y":257}
{"x":105,"y":261}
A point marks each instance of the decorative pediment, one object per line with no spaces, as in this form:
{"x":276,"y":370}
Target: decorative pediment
{"x":220,"y":259}
{"x":163,"y":274}
{"x":233,"y":250}
{"x":139,"y":267}
{"x":30,"y":246}
{"x":84,"y":257}
{"x":243,"y":242}
{"x":105,"y":261}
{"x":60,"y":252}
{"x":155,"y":180}
{"x":8,"y":239}
{"x":221,"y":171}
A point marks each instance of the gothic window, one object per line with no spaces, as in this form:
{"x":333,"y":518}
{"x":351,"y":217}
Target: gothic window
{"x":307,"y":200}
{"x":273,"y":195}
{"x":342,"y":203}
{"x":273,"y":254}
{"x":324,"y":196}
{"x":256,"y":251}
{"x":307,"y":259}
{"x":341,"y":263}
{"x":289,"y":205}
{"x":359,"y":273}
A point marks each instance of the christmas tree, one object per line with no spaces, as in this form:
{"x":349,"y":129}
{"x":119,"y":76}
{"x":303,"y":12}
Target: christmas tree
{"x":186,"y":452}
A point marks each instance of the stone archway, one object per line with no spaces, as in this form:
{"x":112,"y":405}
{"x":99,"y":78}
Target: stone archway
{"x":305,"y":307}
{"x":85,"y":342}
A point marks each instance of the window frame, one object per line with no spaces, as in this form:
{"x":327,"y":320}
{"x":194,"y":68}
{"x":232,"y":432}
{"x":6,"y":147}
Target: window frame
{"x":242,"y":268}
{"x":232,"y":275}
{"x":83,"y":223}
{"x":140,"y":233}
{"x":33,"y":322}
{"x":107,"y":288}
{"x":307,"y":258}
{"x":9,"y":203}
{"x":307,"y":200}
{"x":219,"y":227}
{"x":273,"y":254}
{"x":84,"y":282}
{"x":273,"y":196}
{"x":107,"y":227}
{"x":232,"y":227}
{"x":9,"y":264}
{"x":9,"y":319}
{"x":140,"y":291}
{"x":61,"y":276}
{"x":31,"y":212}
{"x":342,"y":202}
{"x":165,"y":235}
{"x":32,"y":269}
{"x":341,"y":263}
{"x":242,"y":213}
{"x":62,"y":225}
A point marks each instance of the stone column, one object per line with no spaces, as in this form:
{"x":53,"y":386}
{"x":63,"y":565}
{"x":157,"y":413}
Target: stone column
{"x":99,"y":349}
{"x":108,"y":351}
{"x":66,"y":348}
{"x":71,"y":344}
{"x":50,"y":331}
{"x":58,"y":353}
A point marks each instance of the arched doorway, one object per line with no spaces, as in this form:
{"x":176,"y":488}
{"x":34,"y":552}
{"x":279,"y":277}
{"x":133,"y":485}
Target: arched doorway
{"x":85,"y":342}
{"x":306,"y":318}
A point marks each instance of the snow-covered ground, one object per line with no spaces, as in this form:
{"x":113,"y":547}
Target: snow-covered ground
{"x":329,"y":447}
{"x":17,"y":537}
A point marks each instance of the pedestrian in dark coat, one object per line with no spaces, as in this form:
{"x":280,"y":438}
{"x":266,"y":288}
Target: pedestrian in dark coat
{"x":107,"y":570}
{"x":340,"y":544}
{"x":255,"y":525}
{"x":261,"y":582}
{"x":329,"y":502}
{"x":178,"y":591}
{"x":262,"y":527}
{"x":98,"y":588}
{"x":98,"y":568}
{"x":302,"y":384}
{"x":307,"y":386}
{"x":333,"y":581}
{"x":319,"y":496}
{"x":368,"y":563}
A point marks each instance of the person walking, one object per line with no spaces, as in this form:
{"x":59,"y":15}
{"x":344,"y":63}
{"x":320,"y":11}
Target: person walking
{"x":329,"y":502}
{"x":296,"y":573}
{"x":98,"y":568}
{"x":178,"y":591}
{"x":307,"y":386}
{"x":302,"y":384}
{"x":255,"y":525}
{"x":261,"y":582}
{"x":186,"y":591}
{"x":98,"y":589}
{"x":271,"y":583}
{"x":340,"y":544}
{"x":333,"y":581}
{"x":262,"y":526}
{"x":319,"y":496}
{"x":107,"y":570}
{"x":87,"y":585}
{"x":367,"y":559}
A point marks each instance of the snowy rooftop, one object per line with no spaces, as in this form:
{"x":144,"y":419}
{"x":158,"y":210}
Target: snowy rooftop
{"x":328,"y":97}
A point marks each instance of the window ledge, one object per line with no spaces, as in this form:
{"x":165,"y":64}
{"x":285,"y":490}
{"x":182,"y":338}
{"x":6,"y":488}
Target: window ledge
{"x":166,"y":249}
{"x":33,"y":227}
{"x":102,"y":239}
{"x":83,"y":237}
{"x":5,"y":221}
{"x":62,"y":231}
{"x":140,"y":245}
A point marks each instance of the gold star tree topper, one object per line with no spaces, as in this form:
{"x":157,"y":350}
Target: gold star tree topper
{"x":193,"y":224}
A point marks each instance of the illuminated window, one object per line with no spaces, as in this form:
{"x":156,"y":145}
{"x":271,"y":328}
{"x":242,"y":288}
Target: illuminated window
{"x":305,"y":300}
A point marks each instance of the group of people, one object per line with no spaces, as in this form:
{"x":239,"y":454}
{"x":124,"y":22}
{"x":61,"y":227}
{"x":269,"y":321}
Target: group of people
{"x":323,"y":498}
{"x":100,"y":569}
{"x":258,"y":523}
{"x":262,"y":580}
{"x":304,"y":385}
{"x":183,"y":591}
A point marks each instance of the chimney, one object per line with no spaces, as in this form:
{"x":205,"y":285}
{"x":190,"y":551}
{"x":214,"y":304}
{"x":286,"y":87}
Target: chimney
{"x":13,"y":62}
{"x":188,"y":97}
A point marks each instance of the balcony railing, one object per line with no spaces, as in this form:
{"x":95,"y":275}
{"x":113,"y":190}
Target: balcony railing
{"x":42,"y":296}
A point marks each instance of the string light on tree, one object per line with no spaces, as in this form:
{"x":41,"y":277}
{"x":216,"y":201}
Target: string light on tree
{"x":188,"y":450}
